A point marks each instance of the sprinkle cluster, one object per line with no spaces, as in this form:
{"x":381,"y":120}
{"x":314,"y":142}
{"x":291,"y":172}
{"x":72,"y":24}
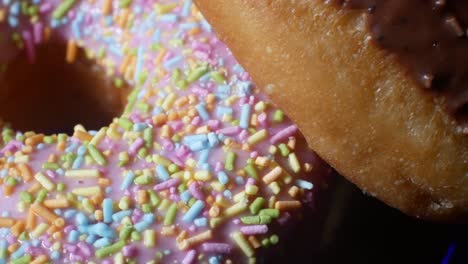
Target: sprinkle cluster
{"x":198,"y":168}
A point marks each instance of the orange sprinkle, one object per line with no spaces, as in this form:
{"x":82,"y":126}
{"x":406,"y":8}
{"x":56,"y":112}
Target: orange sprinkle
{"x":43,"y":212}
{"x":18,"y":228}
{"x":123,"y":17}
{"x":57,"y":203}
{"x":125,"y":63}
{"x":59,"y":222}
{"x":160,"y":56}
{"x":41,"y":259}
{"x":36,"y":186}
{"x":8,"y":190}
{"x":47,"y":33}
{"x":25,"y":172}
{"x":287,"y":205}
{"x":52,"y":158}
{"x":2,"y":15}
{"x":13,"y":247}
{"x":61,"y":146}
{"x":142,"y":196}
{"x":82,"y":135}
{"x":293,"y":191}
{"x":104,"y":181}
{"x":52,"y":229}
{"x":72,"y":51}
{"x":30,"y":220}
{"x":254,"y":242}
{"x":7,"y":222}
{"x":159,"y":119}
{"x":34,"y":140}
{"x":107,"y":7}
{"x":58,"y":235}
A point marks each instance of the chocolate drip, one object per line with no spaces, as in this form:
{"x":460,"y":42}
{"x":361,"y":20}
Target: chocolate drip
{"x":430,"y":39}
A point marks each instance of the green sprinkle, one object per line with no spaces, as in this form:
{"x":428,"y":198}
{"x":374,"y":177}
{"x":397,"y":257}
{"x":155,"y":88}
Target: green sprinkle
{"x":154,"y":199}
{"x":170,"y":215}
{"x":124,"y":3}
{"x":63,"y":9}
{"x":218,"y":77}
{"x":26,"y":197}
{"x":256,"y":205}
{"x":118,"y":83}
{"x":251,"y":171}
{"x":256,"y":219}
{"x":49,"y":140}
{"x":143,"y":180}
{"x":197,"y":73}
{"x":125,"y":232}
{"x":143,"y":107}
{"x":135,"y":236}
{"x":61,"y":187}
{"x":41,"y":195}
{"x":97,"y":155}
{"x":274,"y":239}
{"x":123,"y":158}
{"x":23,"y":260}
{"x":265,"y":242}
{"x":142,"y":153}
{"x":148,"y":137}
{"x":109,"y":250}
{"x":146,"y":208}
{"x":182,"y":84}
{"x":278,"y":116}
{"x":125,"y":123}
{"x":10,"y":181}
{"x":176,"y":73}
{"x":230,"y":161}
{"x":50,"y":166}
{"x":173,"y":168}
{"x":284,"y":150}
{"x":244,"y":245}
{"x":273,"y":213}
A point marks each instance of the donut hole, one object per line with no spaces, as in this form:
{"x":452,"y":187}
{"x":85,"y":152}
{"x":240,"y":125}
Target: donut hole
{"x":52,"y":96}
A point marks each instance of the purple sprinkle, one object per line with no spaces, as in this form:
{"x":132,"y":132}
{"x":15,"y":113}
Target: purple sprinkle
{"x":136,"y":145}
{"x":130,"y":251}
{"x":221,"y":248}
{"x":190,"y":257}
{"x":196,"y":192}
{"x":167,"y":184}
{"x":283,"y":134}
{"x":229,"y":131}
{"x":254,"y":229}
{"x":85,"y":249}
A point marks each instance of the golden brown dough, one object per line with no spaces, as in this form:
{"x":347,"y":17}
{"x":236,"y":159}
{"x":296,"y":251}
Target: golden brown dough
{"x":353,"y":102}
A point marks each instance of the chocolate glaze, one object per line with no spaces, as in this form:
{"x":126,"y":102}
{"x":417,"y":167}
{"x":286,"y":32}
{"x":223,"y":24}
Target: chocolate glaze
{"x":430,"y":38}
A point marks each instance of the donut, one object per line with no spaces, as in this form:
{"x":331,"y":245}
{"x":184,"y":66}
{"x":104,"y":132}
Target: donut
{"x":199,"y":168}
{"x":378,"y":88}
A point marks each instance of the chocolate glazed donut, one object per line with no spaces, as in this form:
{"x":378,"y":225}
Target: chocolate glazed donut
{"x":379,"y":88}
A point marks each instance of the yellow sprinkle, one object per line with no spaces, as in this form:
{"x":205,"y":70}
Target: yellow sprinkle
{"x":57,"y":203}
{"x":274,"y":187}
{"x":169,"y":101}
{"x":257,"y":137}
{"x":273,"y":175}
{"x":98,"y":137}
{"x":7,"y":222}
{"x":195,"y":240}
{"x":243,"y":244}
{"x":44,"y":181}
{"x":202,"y":176}
{"x":22,"y":159}
{"x":85,"y":173}
{"x":39,"y":230}
{"x":235,"y":209}
{"x":294,"y":163}
{"x":86,"y":191}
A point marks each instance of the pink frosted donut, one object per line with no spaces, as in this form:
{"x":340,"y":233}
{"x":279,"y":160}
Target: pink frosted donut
{"x":199,"y":168}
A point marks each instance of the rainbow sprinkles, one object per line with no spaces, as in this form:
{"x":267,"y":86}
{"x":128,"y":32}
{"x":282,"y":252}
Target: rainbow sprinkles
{"x":200,"y":168}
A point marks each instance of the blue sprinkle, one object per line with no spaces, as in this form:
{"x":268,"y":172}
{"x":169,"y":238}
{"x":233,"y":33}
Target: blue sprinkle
{"x":108,"y":20}
{"x":305,"y":184}
{"x":139,"y":127}
{"x":15,"y":8}
{"x":245,"y":88}
{"x":60,"y":171}
{"x":69,"y":213}
{"x":206,"y":25}
{"x":102,"y":242}
{"x":157,"y":110}
{"x":157,"y":35}
{"x":213,"y":140}
{"x":40,"y":146}
{"x":81,"y":151}
{"x":185,"y":196}
{"x":139,"y":63}
{"x":227,"y":194}
{"x":20,"y":251}
{"x":201,"y":109}
{"x":194,"y":211}
{"x":163,"y":174}
{"x":91,"y":238}
{"x":108,"y":190}
{"x":186,"y":26}
{"x":78,"y":162}
{"x":11,"y":159}
{"x":72,"y":147}
{"x":6,"y":2}
{"x":186,"y":8}
{"x":203,"y":158}
{"x":192,"y":138}
{"x":81,"y":219}
{"x":117,"y":217}
{"x":128,"y":180}
{"x":58,"y":211}
{"x":145,"y":223}
{"x":54,"y":23}
{"x":73,"y":236}
{"x":205,"y":166}
{"x":214,"y":260}
{"x":107,"y":210}
{"x":170,"y":63}
{"x":198,"y":145}
{"x":55,"y":255}
{"x":201,"y":222}
{"x":102,"y":230}
{"x":223,"y":178}
{"x":239,"y":180}
{"x":245,"y":116}
{"x":223,"y":110}
{"x":171,"y":18}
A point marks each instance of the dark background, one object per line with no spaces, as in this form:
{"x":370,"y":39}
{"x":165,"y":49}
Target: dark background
{"x":356,"y":228}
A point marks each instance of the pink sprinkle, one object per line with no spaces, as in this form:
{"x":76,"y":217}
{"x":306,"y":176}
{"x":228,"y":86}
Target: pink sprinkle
{"x":243,"y":135}
{"x":254,"y":229}
{"x":283,"y":134}
{"x":182,"y":151}
{"x":136,"y":145}
{"x":199,"y":91}
{"x":250,"y":181}
{"x":167,"y":184}
{"x":46,"y":7}
{"x":221,"y":248}
{"x":253,"y":154}
{"x":29,"y":46}
{"x":167,"y":145}
{"x":244,"y":76}
{"x":190,"y":257}
{"x":68,"y":229}
{"x":252,"y":100}
{"x":70,"y":248}
{"x":76,"y":258}
{"x":129,"y":251}
{"x":51,"y":174}
{"x":262,"y":119}
{"x":243,"y":100}
{"x":85,"y":249}
{"x":176,"y":125}
{"x":229,"y":131}
{"x":195,"y":190}
{"x":196,"y":121}
{"x":213,"y":124}
{"x":218,"y":166}
{"x":236,"y":221}
{"x":37,"y":29}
